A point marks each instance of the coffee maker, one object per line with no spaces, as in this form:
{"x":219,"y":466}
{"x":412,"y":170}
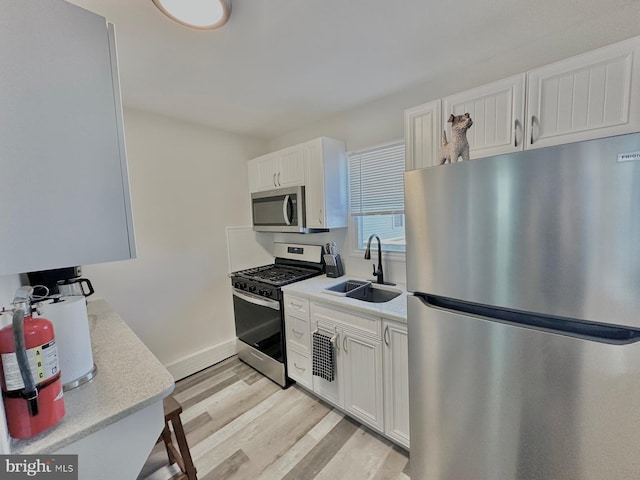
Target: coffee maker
{"x":66,"y":308}
{"x":50,"y":278}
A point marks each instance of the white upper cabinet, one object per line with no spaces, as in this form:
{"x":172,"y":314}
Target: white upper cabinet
{"x":320,"y":165}
{"x":284,"y":168}
{"x":422,"y":135}
{"x":326,"y":183}
{"x":593,"y":95}
{"x":290,"y":167}
{"x":64,"y":199}
{"x":497,"y":111}
{"x":262,"y":173}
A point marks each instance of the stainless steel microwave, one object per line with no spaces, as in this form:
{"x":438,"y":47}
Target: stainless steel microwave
{"x":281,"y":210}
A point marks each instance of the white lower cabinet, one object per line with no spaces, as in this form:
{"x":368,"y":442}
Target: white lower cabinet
{"x":328,"y":321}
{"x":299,"y":368}
{"x":396,"y":382}
{"x":297,"y":335}
{"x":362,"y":369}
{"x":371,"y":379}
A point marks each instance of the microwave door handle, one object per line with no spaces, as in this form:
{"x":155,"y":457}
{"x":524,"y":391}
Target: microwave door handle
{"x":285,"y":209}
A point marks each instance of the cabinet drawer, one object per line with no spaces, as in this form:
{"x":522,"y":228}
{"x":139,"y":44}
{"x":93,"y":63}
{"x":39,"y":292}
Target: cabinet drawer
{"x":296,"y":306}
{"x":360,"y":323}
{"x":364,"y":324}
{"x":299,"y":368}
{"x":297,"y":333}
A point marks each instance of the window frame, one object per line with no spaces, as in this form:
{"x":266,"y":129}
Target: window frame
{"x":354,"y":250}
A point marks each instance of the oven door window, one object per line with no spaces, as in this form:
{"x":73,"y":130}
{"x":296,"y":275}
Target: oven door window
{"x":259,"y":325}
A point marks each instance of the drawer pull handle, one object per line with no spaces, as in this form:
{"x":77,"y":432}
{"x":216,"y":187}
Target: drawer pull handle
{"x":300,"y":369}
{"x":297,"y":333}
{"x":256,"y":356}
{"x":386,"y":335}
{"x":295,"y":305}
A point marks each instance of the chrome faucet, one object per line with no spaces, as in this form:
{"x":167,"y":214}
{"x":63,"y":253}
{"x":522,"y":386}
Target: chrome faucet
{"x":379,"y":274}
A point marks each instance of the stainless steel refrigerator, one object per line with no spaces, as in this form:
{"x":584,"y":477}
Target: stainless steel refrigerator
{"x":524,"y":323}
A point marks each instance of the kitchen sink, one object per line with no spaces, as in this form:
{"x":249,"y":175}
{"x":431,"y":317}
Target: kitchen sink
{"x":373,"y":294}
{"x":364,"y":291}
{"x":345,"y":287}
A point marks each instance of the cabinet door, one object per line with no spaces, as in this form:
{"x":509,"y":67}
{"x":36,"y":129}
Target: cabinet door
{"x":324,"y":319}
{"x":64,"y":199}
{"x":422,"y":135}
{"x":290,"y":171}
{"x":253,"y":171}
{"x":396,"y":383}
{"x":497,"y":111}
{"x":325,"y":165}
{"x":593,"y":95}
{"x":362,"y":368}
{"x":262,"y":173}
{"x":315,"y":185}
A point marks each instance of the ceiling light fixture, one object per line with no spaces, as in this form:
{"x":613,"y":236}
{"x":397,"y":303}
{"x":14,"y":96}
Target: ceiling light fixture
{"x":199,"y":14}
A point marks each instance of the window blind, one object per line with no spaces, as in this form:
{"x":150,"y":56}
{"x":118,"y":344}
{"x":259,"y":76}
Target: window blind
{"x":376,"y":180}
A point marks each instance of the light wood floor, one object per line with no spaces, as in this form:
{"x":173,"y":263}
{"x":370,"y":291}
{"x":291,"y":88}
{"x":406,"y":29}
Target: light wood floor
{"x":240,"y":425}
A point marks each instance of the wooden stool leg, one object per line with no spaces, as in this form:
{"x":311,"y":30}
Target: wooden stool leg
{"x":168,"y":443}
{"x":188,"y":468}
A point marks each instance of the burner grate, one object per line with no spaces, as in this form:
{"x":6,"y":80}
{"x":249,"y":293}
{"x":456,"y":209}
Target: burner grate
{"x":276,"y":274}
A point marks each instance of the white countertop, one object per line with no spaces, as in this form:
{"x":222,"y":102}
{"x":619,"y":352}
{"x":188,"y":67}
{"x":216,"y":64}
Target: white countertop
{"x":395,"y":309}
{"x":129,"y":378}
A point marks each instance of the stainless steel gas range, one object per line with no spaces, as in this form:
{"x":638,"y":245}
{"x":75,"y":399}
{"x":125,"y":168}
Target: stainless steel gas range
{"x":258,"y":306}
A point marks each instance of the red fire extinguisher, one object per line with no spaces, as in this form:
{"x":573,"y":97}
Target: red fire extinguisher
{"x":30,"y":376}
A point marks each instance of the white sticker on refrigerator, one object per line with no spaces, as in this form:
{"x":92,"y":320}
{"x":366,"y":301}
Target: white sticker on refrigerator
{"x":43,"y":362}
{"x":628,"y":157}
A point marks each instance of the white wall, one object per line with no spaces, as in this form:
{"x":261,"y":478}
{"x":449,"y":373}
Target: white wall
{"x":188,"y":183}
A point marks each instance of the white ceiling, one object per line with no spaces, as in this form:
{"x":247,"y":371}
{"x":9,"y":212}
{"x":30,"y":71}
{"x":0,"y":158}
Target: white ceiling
{"x":279,"y":65}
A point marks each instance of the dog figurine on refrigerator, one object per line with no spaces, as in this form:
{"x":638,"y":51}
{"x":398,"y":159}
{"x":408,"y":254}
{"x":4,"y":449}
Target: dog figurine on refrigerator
{"x":458,"y":147}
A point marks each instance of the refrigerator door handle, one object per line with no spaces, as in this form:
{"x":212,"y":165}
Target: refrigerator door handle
{"x":597,"y":332}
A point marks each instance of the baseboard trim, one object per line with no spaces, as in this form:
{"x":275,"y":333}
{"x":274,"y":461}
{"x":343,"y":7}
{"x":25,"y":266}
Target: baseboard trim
{"x":201,"y":359}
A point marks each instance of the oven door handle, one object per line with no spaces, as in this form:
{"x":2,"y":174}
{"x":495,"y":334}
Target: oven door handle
{"x":256,"y":300}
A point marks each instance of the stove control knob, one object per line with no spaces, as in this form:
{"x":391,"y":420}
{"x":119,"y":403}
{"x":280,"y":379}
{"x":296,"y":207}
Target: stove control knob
{"x":268,"y":293}
{"x":252,"y":288}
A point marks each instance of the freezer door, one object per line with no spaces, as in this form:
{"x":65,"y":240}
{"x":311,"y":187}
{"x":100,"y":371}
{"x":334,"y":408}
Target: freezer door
{"x":553,"y":230}
{"x":496,"y":401}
